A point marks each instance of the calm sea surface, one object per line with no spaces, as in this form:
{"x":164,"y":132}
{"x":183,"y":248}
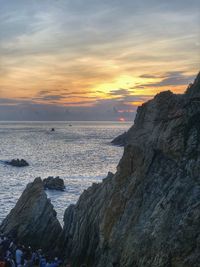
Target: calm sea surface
{"x":81,"y":154}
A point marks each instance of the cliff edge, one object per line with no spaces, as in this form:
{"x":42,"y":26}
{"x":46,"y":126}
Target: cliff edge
{"x":148,"y":213}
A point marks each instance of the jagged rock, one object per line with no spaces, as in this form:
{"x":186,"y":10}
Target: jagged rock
{"x":54,"y":183}
{"x":120,"y":140}
{"x":33,"y":220}
{"x":193,"y":89}
{"x":148,"y":213}
{"x":18,"y":163}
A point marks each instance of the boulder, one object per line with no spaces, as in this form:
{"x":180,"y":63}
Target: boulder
{"x":148,"y":213}
{"x":33,"y":220}
{"x":54,"y":183}
{"x":18,"y":163}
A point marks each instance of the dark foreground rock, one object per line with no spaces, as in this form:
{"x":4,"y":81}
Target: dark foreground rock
{"x":148,"y":213}
{"x":33,"y":220}
{"x":18,"y":163}
{"x":54,"y":183}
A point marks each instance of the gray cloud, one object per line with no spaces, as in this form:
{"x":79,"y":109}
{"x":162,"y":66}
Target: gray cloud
{"x":8,"y":101}
{"x":80,"y":38}
{"x":119,"y":92}
{"x":172,"y":78}
{"x":52,"y":97}
{"x":149,"y":76}
{"x":83,"y":26}
{"x":101,"y":109}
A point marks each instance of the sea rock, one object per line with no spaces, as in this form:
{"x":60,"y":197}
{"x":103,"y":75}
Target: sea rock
{"x":18,"y":163}
{"x":33,"y":220}
{"x":148,"y":213}
{"x":54,"y":183}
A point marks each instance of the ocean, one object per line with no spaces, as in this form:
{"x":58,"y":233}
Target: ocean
{"x":78,"y":152}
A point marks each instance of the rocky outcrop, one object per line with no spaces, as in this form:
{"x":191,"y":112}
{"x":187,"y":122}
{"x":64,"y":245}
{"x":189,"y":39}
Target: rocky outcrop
{"x":120,"y":140}
{"x":17,"y":163}
{"x":54,"y":183}
{"x":148,"y":213}
{"x":33,"y":220}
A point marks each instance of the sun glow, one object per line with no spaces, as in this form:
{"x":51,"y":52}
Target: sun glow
{"x":123,"y":81}
{"x":121,"y":119}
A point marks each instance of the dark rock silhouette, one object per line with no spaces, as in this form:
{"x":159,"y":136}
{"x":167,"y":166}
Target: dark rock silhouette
{"x":54,"y":183}
{"x":33,"y":220}
{"x":148,"y":213}
{"x":18,"y":163}
{"x":191,"y":92}
{"x":120,"y":140}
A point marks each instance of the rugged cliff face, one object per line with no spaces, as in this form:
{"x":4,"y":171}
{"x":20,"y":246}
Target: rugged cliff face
{"x":33,"y":220}
{"x":148,"y":213}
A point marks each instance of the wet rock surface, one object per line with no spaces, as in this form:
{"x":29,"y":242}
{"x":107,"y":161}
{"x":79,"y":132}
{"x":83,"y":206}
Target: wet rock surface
{"x":52,"y":183}
{"x":33,"y":220}
{"x":148,"y":213}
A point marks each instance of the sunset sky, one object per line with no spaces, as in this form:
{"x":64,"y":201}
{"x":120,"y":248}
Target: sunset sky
{"x":92,"y":59}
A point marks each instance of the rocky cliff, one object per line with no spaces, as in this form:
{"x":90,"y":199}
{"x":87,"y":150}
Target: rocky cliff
{"x":33,"y":220}
{"x":148,"y":213}
{"x":120,"y":140}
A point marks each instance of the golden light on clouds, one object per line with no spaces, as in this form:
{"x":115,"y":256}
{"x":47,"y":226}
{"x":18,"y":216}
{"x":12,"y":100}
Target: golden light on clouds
{"x":95,"y":55}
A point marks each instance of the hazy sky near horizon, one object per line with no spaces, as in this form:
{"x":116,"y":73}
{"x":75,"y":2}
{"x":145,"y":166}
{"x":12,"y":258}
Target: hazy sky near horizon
{"x":91,"y":59}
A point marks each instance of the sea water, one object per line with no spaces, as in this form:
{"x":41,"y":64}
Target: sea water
{"x":78,"y":152}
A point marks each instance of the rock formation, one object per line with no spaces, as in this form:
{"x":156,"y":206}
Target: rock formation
{"x":148,"y":213}
{"x":18,"y":163}
{"x":54,"y":183}
{"x":33,"y":220}
{"x":120,"y":140}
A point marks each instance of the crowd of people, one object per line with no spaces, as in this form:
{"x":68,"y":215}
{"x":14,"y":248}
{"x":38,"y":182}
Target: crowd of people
{"x":13,"y":254}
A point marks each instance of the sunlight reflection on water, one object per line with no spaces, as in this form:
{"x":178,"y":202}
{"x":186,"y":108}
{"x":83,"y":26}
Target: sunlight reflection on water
{"x":80,"y":154}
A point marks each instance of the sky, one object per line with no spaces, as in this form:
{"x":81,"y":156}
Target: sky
{"x":91,"y":59}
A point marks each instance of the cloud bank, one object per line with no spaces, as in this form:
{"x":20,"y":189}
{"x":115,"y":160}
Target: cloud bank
{"x":93,"y":59}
